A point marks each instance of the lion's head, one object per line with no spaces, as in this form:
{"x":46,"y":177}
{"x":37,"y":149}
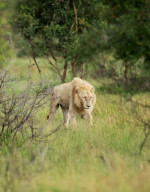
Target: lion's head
{"x":83,"y":94}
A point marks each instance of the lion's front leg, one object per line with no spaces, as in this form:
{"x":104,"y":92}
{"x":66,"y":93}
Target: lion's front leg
{"x":72,"y":118}
{"x":69,"y":116}
{"x":66,"y":119}
{"x":66,"y":116}
{"x":91,"y":119}
{"x":72,"y":114}
{"x":87,"y":116}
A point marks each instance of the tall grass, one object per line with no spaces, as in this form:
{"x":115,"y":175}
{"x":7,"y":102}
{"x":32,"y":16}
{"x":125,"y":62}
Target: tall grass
{"x":104,"y":157}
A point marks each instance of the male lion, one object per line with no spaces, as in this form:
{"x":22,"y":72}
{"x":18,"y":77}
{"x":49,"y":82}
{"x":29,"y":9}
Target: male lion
{"x":73,"y":97}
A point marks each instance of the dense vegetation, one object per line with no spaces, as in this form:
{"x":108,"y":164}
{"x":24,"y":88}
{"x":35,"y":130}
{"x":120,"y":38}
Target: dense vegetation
{"x":44,"y":43}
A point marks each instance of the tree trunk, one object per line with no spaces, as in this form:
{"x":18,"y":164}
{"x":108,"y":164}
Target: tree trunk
{"x":62,"y":76}
{"x":36,"y":63}
{"x":73,"y":64}
{"x":76,"y":17}
{"x":83,"y":71}
{"x":65,"y":72}
{"x":52,"y":63}
{"x":126,"y":72}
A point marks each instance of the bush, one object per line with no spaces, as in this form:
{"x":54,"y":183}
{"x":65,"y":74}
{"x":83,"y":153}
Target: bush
{"x":17,"y":111}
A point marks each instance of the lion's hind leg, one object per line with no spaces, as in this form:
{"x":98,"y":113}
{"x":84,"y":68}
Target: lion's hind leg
{"x":53,"y":108}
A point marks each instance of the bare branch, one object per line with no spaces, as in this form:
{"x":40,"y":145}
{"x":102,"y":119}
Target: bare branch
{"x":17,"y":111}
{"x":34,"y":58}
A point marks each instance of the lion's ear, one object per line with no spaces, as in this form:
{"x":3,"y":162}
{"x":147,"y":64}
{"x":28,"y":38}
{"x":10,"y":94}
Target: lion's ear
{"x":93,"y":89}
{"x":76,"y":90}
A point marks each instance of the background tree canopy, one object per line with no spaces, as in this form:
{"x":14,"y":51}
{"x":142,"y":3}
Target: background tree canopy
{"x":52,"y":26}
{"x":130,"y":29}
{"x":55,"y":24}
{"x":79,"y":30}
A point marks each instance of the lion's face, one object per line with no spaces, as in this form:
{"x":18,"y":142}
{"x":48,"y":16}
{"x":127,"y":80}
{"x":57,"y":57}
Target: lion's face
{"x":84,"y":98}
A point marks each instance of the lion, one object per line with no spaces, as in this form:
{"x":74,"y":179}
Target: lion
{"x":74,"y":97}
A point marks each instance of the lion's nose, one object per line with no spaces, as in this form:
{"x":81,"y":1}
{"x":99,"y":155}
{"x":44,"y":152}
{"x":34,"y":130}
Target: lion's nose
{"x":88,"y":106}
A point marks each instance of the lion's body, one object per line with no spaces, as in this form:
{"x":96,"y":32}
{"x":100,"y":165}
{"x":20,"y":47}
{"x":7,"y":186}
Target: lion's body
{"x":74,"y":97}
{"x":62,"y":92}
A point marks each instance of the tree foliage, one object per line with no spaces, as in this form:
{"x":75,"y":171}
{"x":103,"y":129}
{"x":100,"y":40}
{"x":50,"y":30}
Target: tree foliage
{"x":79,"y":30}
{"x":130,"y":29}
{"x":54,"y":24}
{"x":126,"y":31}
{"x":51,"y":26}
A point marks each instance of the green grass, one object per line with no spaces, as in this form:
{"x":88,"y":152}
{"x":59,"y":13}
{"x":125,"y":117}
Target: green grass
{"x":104,"y":157}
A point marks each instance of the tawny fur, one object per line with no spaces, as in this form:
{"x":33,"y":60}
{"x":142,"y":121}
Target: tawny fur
{"x":74,"y":97}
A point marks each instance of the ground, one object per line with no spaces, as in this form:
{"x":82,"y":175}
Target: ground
{"x":105,"y":157}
